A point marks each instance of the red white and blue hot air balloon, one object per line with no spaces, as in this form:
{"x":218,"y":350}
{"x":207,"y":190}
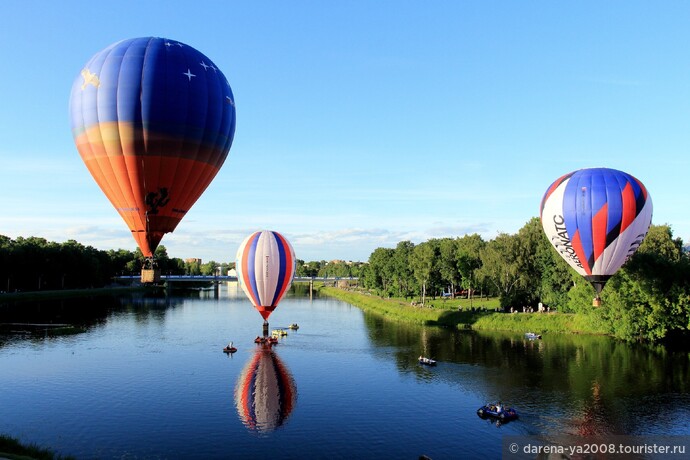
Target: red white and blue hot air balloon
{"x":265,"y":265}
{"x":596,"y":219}
{"x":265,"y":392}
{"x":153,"y":120}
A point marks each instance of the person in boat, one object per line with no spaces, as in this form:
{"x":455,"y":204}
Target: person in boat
{"x":499,"y":407}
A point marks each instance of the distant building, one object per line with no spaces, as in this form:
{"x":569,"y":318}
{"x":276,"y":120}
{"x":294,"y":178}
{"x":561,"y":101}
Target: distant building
{"x":338,"y":261}
{"x":193,"y":261}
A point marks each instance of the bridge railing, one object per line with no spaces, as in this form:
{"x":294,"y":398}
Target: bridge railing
{"x":230,"y":278}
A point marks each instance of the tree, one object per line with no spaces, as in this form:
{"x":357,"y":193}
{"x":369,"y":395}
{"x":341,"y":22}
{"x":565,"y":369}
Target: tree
{"x":402,"y":272}
{"x":422,"y":264}
{"x":556,"y":276}
{"x":209,"y":268}
{"x":500,"y":267}
{"x":649,"y":297}
{"x":379,"y":273}
{"x":308,"y":270}
{"x":468,"y":260}
{"x":32,"y":263}
{"x":447,"y":262}
{"x":335,"y":269}
{"x":192,"y":267}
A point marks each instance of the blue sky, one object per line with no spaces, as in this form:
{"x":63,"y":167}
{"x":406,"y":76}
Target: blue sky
{"x":363,"y":123}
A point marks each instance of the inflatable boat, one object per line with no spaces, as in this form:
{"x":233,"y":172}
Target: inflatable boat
{"x":489,"y":410}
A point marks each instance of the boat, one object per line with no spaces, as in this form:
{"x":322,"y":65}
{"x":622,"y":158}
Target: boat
{"x":260,"y":340}
{"x":532,"y":336}
{"x":426,"y":361}
{"x":273,"y":340}
{"x":490,"y":410}
{"x":229,"y":348}
{"x":279,"y":332}
{"x":293,"y":326}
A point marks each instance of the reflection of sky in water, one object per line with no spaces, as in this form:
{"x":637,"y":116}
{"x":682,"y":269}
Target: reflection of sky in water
{"x":149,"y":379}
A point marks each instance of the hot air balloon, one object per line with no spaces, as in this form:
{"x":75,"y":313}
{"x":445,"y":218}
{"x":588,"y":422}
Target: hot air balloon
{"x":596,"y":219}
{"x":153,"y":120}
{"x":265,"y":265}
{"x":265,"y":393}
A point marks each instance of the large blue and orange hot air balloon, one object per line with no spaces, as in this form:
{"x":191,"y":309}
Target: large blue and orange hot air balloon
{"x":153,"y":119}
{"x":596,"y":219}
{"x":265,"y":265}
{"x":265,"y":392}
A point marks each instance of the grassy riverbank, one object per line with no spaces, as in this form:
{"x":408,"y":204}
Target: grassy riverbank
{"x":11,"y":448}
{"x":458,"y":314}
{"x":67,"y":293}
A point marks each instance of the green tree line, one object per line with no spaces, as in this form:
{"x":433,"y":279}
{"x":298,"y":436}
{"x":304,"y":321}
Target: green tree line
{"x":324,"y":269}
{"x":648,"y":299}
{"x":34,"y":264}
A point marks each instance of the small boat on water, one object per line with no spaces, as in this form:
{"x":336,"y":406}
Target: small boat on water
{"x":279,"y":332}
{"x":293,"y":326}
{"x":229,"y":348}
{"x":260,"y":339}
{"x":273,"y":340}
{"x":426,"y":361}
{"x":497,"y":411}
{"x":532,"y":336}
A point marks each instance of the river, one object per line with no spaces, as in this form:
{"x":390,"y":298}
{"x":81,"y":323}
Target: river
{"x":145,"y":377}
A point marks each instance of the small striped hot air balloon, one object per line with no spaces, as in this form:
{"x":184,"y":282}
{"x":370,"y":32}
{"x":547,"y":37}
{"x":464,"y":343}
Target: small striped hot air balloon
{"x":596,"y":219}
{"x":153,"y":120}
{"x":265,"y":265}
{"x":265,"y":392}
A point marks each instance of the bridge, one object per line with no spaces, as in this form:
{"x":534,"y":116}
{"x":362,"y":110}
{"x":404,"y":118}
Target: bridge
{"x":215,"y":280}
{"x":183,"y":278}
{"x":223,"y":278}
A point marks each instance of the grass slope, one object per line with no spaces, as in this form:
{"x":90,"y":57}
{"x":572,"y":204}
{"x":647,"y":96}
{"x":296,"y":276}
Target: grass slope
{"x":11,"y":448}
{"x":457,"y":313}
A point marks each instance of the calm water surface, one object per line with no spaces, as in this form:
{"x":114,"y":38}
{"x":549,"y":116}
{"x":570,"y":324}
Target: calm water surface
{"x":147,"y":379}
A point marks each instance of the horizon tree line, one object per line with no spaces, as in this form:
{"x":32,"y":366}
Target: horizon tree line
{"x":647,"y":299}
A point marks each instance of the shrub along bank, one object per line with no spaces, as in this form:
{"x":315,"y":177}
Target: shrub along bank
{"x":11,"y":448}
{"x":456,"y":314}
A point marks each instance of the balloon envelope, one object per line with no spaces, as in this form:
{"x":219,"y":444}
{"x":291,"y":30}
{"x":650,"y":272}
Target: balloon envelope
{"x":153,"y":120}
{"x":265,"y":265}
{"x":596,"y":218}
{"x":265,"y":393}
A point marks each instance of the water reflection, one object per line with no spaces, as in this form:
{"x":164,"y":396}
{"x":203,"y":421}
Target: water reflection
{"x":49,"y":319}
{"x":584,"y":385}
{"x":148,"y":380}
{"x":265,"y":393}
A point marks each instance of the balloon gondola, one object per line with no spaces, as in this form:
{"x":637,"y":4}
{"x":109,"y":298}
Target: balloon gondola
{"x":153,"y":120}
{"x":596,"y":218}
{"x":265,"y":265}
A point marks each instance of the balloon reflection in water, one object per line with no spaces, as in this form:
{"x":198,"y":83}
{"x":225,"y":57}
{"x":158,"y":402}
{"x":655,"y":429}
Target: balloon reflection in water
{"x":265,"y":393}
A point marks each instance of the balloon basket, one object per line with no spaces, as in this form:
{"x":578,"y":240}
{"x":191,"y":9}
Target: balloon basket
{"x":596,"y":302}
{"x":150,"y":275}
{"x":265,"y":329}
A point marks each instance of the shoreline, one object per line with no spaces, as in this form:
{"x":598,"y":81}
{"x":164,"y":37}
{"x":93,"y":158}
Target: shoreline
{"x":66,"y":293}
{"x":466,"y":319}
